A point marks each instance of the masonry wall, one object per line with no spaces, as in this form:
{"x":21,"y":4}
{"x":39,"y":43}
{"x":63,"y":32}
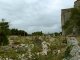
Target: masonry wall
{"x":65,"y":14}
{"x":77,"y":3}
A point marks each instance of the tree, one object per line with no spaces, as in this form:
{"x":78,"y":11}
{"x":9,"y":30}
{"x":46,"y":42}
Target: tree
{"x":4,"y":31}
{"x":37,"y":33}
{"x":14,"y":31}
{"x":4,"y":27}
{"x":18,"y":32}
{"x":56,"y":34}
{"x":3,"y":39}
{"x":22,"y":33}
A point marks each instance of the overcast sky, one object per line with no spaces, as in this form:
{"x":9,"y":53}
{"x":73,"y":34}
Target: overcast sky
{"x":34,"y":15}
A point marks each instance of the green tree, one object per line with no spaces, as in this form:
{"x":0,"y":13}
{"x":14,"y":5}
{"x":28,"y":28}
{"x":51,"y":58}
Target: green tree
{"x":37,"y":33}
{"x":4,"y":32}
{"x":18,"y":32}
{"x":4,"y":27}
{"x":57,"y":34}
{"x":3,"y":39}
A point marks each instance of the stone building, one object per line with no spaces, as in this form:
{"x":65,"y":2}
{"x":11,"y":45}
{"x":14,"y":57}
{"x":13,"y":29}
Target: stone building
{"x":65,"y":14}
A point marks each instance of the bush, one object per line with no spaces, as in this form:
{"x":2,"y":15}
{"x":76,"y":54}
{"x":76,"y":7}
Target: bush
{"x":3,"y":39}
{"x":16,"y":43}
{"x":67,"y":52}
{"x":65,"y":41}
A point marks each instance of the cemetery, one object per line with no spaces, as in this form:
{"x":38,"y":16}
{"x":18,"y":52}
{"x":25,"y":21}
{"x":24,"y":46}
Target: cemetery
{"x":63,"y":45}
{"x":27,"y":49}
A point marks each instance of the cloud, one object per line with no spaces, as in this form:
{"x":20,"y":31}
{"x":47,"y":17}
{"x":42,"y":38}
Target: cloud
{"x":34,"y":15}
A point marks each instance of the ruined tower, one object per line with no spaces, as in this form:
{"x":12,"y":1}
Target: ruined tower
{"x":65,"y":14}
{"x":77,"y":3}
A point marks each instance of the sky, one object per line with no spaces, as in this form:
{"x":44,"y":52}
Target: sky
{"x":34,"y":15}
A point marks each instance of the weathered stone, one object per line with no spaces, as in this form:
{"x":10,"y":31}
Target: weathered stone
{"x":65,"y":14}
{"x":75,"y":51}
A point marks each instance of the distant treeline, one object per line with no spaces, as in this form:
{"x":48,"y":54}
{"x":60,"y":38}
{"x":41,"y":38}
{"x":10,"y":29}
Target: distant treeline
{"x":37,"y":33}
{"x":23,"y":33}
{"x":18,"y":32}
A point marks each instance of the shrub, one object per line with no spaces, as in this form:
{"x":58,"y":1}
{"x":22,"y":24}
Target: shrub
{"x":3,"y":39}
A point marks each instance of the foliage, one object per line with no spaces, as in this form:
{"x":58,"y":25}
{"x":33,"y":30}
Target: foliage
{"x":4,"y":27}
{"x":57,"y":34}
{"x":4,"y":31}
{"x":10,"y":54}
{"x":52,"y":47}
{"x":37,"y":33}
{"x":68,"y":50}
{"x":3,"y":39}
{"x":16,"y":43}
{"x":18,"y":32}
{"x":65,"y":41}
{"x":21,"y":52}
{"x":36,"y":49}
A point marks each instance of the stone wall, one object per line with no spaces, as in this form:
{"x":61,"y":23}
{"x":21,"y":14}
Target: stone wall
{"x":65,"y":14}
{"x":77,"y":3}
{"x":75,"y":49}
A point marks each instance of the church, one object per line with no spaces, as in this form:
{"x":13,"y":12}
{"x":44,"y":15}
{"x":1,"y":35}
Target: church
{"x":65,"y":14}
